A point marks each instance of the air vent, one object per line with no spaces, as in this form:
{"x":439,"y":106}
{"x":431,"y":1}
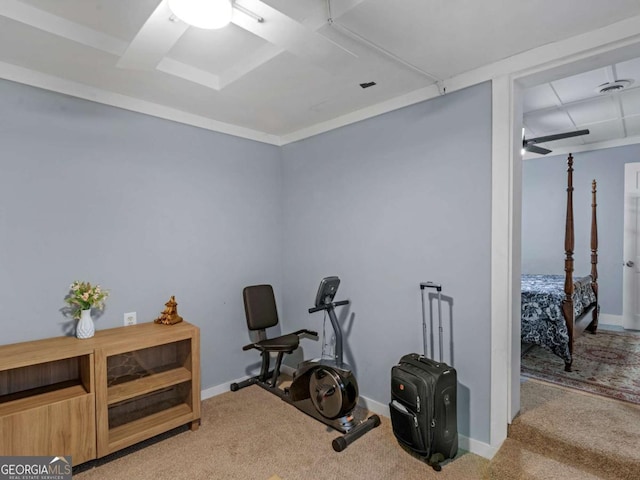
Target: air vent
{"x":367,"y":85}
{"x":615,"y":86}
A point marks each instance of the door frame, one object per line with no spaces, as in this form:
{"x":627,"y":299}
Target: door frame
{"x":596,"y":49}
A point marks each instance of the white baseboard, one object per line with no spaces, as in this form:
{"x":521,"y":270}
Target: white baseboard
{"x":474,"y":446}
{"x":218,"y":389}
{"x":613,"y":320}
{"x":374,"y":406}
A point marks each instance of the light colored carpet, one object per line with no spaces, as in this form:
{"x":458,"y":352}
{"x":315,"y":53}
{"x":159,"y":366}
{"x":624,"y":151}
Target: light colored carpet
{"x":516,"y":462}
{"x":251,"y":434}
{"x":578,"y":435}
{"x":607,"y":363}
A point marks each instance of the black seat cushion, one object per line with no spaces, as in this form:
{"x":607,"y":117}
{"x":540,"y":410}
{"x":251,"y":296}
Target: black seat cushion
{"x":285,"y":343}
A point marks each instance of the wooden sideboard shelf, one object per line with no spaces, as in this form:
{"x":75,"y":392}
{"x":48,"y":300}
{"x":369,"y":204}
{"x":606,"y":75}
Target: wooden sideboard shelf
{"x":151,"y":383}
{"x":40,"y":397}
{"x":89,"y":398}
{"x":144,"y":385}
{"x":146,"y":427}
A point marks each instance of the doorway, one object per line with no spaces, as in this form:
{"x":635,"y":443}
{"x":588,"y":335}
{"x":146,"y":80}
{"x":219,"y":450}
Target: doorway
{"x":631,"y":261}
{"x":506,"y":214}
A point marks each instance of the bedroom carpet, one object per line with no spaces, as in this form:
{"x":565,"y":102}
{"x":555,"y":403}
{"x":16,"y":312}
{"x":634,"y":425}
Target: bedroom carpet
{"x":560,"y":434}
{"x":607,"y":364}
{"x":564,"y":434}
{"x":253,"y":435}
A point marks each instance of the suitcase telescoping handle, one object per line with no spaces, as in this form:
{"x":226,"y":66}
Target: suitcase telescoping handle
{"x":438,"y":288}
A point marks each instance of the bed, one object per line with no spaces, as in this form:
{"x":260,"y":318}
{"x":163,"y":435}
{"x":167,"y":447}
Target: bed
{"x":555,"y":308}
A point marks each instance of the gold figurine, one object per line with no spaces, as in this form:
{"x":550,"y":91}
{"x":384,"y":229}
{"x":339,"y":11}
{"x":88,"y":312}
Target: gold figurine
{"x":169,"y":315}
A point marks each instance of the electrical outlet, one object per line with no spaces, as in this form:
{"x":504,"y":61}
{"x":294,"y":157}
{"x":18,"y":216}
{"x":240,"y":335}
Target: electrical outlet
{"x":130,"y":319}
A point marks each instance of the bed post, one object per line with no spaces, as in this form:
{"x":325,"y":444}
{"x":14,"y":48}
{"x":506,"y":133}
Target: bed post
{"x":594,"y":258}
{"x":569,"y":244}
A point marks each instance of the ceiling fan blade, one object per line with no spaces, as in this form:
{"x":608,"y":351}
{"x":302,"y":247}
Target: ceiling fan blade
{"x":283,"y":31}
{"x":153,"y":41}
{"x":557,"y":136}
{"x":536,"y":149}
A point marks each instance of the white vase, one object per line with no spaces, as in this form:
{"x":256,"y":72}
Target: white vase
{"x":85,"y":327}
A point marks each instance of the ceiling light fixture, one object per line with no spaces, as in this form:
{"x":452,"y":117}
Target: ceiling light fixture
{"x":208,"y":14}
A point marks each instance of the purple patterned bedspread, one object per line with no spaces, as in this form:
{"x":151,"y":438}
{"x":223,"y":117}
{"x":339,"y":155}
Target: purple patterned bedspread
{"x":541,"y":304}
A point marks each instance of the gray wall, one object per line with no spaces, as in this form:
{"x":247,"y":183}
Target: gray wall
{"x":146,"y":207}
{"x":385,"y":204}
{"x":543,"y":216}
{"x":149,"y":208}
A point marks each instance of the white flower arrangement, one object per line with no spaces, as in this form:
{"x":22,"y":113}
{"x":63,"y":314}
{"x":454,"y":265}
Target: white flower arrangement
{"x":84,"y":296}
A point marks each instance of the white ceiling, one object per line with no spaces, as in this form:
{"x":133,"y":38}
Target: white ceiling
{"x":574,"y":103}
{"x":302,"y":67}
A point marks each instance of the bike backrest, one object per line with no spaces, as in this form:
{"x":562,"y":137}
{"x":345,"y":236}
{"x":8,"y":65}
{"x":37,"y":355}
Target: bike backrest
{"x":260,"y":307}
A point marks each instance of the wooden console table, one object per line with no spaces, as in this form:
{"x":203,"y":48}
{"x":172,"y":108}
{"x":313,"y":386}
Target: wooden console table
{"x":89,"y":398}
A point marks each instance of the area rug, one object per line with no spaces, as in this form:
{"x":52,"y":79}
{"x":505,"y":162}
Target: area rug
{"x":607,"y":364}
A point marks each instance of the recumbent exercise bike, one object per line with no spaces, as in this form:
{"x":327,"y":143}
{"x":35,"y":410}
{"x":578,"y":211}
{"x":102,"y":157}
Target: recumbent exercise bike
{"x":325,"y":389}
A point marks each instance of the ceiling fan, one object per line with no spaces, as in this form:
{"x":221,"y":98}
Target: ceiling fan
{"x":529,"y":144}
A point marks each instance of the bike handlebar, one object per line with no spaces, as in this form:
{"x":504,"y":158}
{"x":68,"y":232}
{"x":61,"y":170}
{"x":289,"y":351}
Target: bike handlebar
{"x":326,"y":307}
{"x":437,"y":286}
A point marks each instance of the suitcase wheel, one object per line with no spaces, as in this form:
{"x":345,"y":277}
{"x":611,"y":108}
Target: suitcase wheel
{"x":435,"y":460}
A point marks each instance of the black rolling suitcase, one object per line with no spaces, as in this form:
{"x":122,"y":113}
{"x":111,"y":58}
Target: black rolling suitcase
{"x":423,"y":400}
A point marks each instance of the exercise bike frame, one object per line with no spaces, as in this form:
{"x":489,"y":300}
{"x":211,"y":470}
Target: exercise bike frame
{"x":299,"y":395}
